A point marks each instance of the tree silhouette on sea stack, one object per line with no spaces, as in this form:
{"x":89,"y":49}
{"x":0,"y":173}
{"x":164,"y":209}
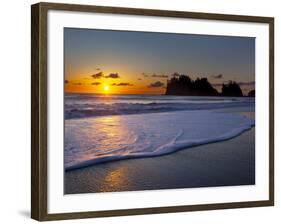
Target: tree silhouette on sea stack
{"x":183,"y":85}
{"x":252,"y":93}
{"x":231,"y":89}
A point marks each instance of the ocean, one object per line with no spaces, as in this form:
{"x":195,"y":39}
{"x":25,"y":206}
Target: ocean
{"x":106,"y":128}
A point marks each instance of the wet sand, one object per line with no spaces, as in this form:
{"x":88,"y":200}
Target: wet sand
{"x":226,"y":163}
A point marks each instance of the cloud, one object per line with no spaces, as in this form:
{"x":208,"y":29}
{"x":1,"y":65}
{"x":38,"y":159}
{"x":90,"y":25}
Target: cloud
{"x":159,"y":76}
{"x":144,"y":74}
{"x":98,"y":69}
{"x":113,"y":76}
{"x":78,"y":83}
{"x":246,"y":83}
{"x":139,"y":79}
{"x":122,"y":84}
{"x":251,"y":83}
{"x":219,"y":76}
{"x":156,"y":84}
{"x":97,"y":75}
{"x":66,"y":81}
{"x":96,"y":83}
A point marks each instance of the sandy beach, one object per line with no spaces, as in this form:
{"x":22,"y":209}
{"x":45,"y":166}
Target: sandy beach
{"x":225,"y":163}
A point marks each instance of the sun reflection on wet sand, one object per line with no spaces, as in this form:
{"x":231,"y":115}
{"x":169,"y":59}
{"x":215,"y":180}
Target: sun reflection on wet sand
{"x":115,"y":179}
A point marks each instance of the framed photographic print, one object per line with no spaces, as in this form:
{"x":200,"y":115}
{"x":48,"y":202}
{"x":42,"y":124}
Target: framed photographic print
{"x":138,"y":111}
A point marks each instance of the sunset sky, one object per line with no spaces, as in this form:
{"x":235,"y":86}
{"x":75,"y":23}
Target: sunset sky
{"x":121,"y":62}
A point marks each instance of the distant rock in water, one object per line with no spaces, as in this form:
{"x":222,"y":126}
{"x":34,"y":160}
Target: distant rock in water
{"x":252,"y":93}
{"x":183,"y":85}
{"x":231,"y":89}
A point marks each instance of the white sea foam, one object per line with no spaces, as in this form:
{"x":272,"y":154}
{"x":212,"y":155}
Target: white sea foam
{"x":96,"y":140}
{"x":92,"y":105}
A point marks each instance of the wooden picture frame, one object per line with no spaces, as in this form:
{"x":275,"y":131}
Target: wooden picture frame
{"x":39,"y":109}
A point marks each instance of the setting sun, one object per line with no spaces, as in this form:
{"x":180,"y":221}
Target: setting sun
{"x":105,"y":88}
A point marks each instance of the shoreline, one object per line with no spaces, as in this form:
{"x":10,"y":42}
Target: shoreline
{"x":174,"y":137}
{"x":213,"y":164}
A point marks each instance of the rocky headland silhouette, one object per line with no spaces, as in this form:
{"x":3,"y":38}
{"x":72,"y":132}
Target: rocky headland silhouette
{"x":183,"y":85}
